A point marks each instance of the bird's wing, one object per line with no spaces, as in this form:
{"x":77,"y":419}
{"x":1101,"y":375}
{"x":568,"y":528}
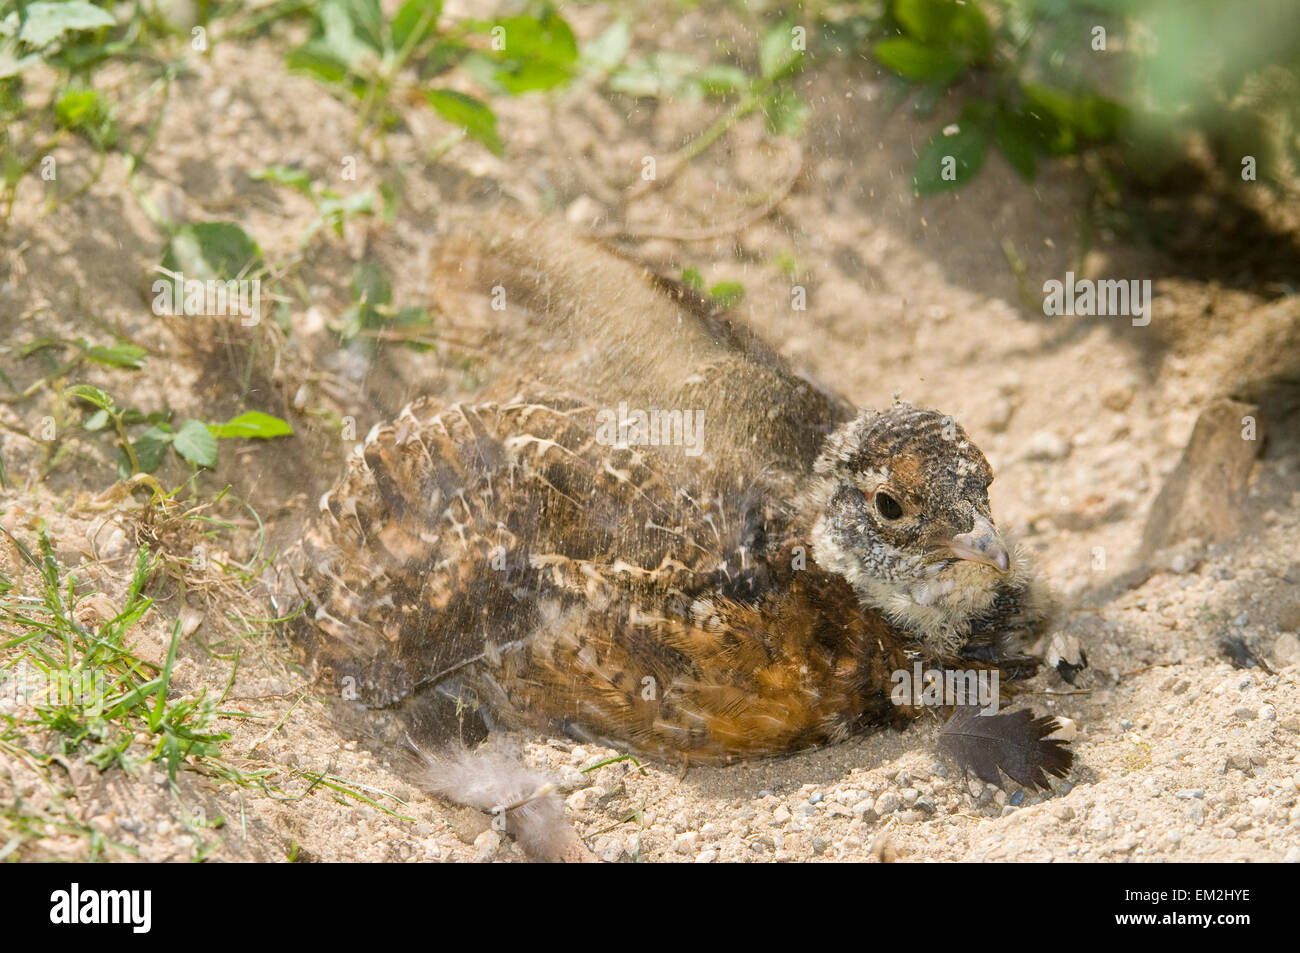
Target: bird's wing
{"x":456,"y":528}
{"x":583,"y":317}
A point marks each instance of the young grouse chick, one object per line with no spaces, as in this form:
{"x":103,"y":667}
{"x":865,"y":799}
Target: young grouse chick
{"x":502,"y":556}
{"x":750,"y":597}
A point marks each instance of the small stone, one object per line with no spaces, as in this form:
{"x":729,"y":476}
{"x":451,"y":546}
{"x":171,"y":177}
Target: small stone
{"x":819,"y":846}
{"x":1064,"y":812}
{"x":686,"y":843}
{"x":1017,"y":799}
{"x":1286,"y":649}
{"x":582,"y":800}
{"x":1268,"y":713}
{"x":706,"y":857}
{"x":1046,"y":445}
{"x":781,"y":815}
{"x":887,"y":803}
{"x":816,"y":798}
{"x":487,"y":843}
{"x":1188,"y":794}
{"x":910,"y":795}
{"x":939,"y":770}
{"x":924,"y":805}
{"x":1292,"y":855}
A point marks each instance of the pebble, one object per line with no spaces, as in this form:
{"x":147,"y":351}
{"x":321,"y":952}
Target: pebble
{"x":886,"y":803}
{"x":1046,"y":445}
{"x":706,"y":857}
{"x":910,"y":795}
{"x":487,"y":843}
{"x":1292,"y":855}
{"x":582,"y":800}
{"x":1188,"y":794}
{"x":1268,"y":713}
{"x":1245,"y":714}
{"x":781,"y":815}
{"x":1017,"y":799}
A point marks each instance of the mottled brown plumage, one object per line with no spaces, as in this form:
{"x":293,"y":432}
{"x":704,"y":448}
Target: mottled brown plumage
{"x":747,"y":599}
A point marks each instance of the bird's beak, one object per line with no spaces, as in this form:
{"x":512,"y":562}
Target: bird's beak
{"x":981,"y":545}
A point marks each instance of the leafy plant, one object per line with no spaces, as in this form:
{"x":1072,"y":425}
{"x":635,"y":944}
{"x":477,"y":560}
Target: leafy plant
{"x":355,"y":51}
{"x":934,"y":43}
{"x":194,"y":441}
{"x":667,"y":73}
{"x":333,"y":210}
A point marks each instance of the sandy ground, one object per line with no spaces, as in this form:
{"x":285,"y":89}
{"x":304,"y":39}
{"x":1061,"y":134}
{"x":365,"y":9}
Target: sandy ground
{"x":1180,"y":754}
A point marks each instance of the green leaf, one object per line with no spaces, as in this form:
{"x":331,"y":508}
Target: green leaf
{"x":408,"y":18}
{"x":692,"y":278}
{"x":607,"y":50}
{"x":195,"y":443}
{"x":1015,"y":139}
{"x":47,"y":22}
{"x":1090,"y":116}
{"x":252,"y":424}
{"x":664,"y":73}
{"x":959,"y":27}
{"x":478,"y":121}
{"x":284,"y":175}
{"x":96,"y":421}
{"x":350,"y":30}
{"x":541,"y":39}
{"x":119,"y":355}
{"x":370,"y":284}
{"x":152,"y":446}
{"x":776,"y":53}
{"x":539,"y":52}
{"x":92,"y":395}
{"x":79,"y":107}
{"x":316,"y":59}
{"x":786,"y":113}
{"x":532,"y":77}
{"x":721,"y":80}
{"x":918,"y":61}
{"x":211,"y":250}
{"x":947,"y":162}
{"x":727,"y":294}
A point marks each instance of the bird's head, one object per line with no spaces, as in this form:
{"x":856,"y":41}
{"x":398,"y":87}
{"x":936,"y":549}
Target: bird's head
{"x":903,"y":515}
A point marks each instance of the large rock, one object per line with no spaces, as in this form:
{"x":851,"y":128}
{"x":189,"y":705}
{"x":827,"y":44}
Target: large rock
{"x":1204,"y":498}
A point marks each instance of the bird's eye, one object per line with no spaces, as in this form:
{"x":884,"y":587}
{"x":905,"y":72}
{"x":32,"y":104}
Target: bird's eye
{"x":888,"y":507}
